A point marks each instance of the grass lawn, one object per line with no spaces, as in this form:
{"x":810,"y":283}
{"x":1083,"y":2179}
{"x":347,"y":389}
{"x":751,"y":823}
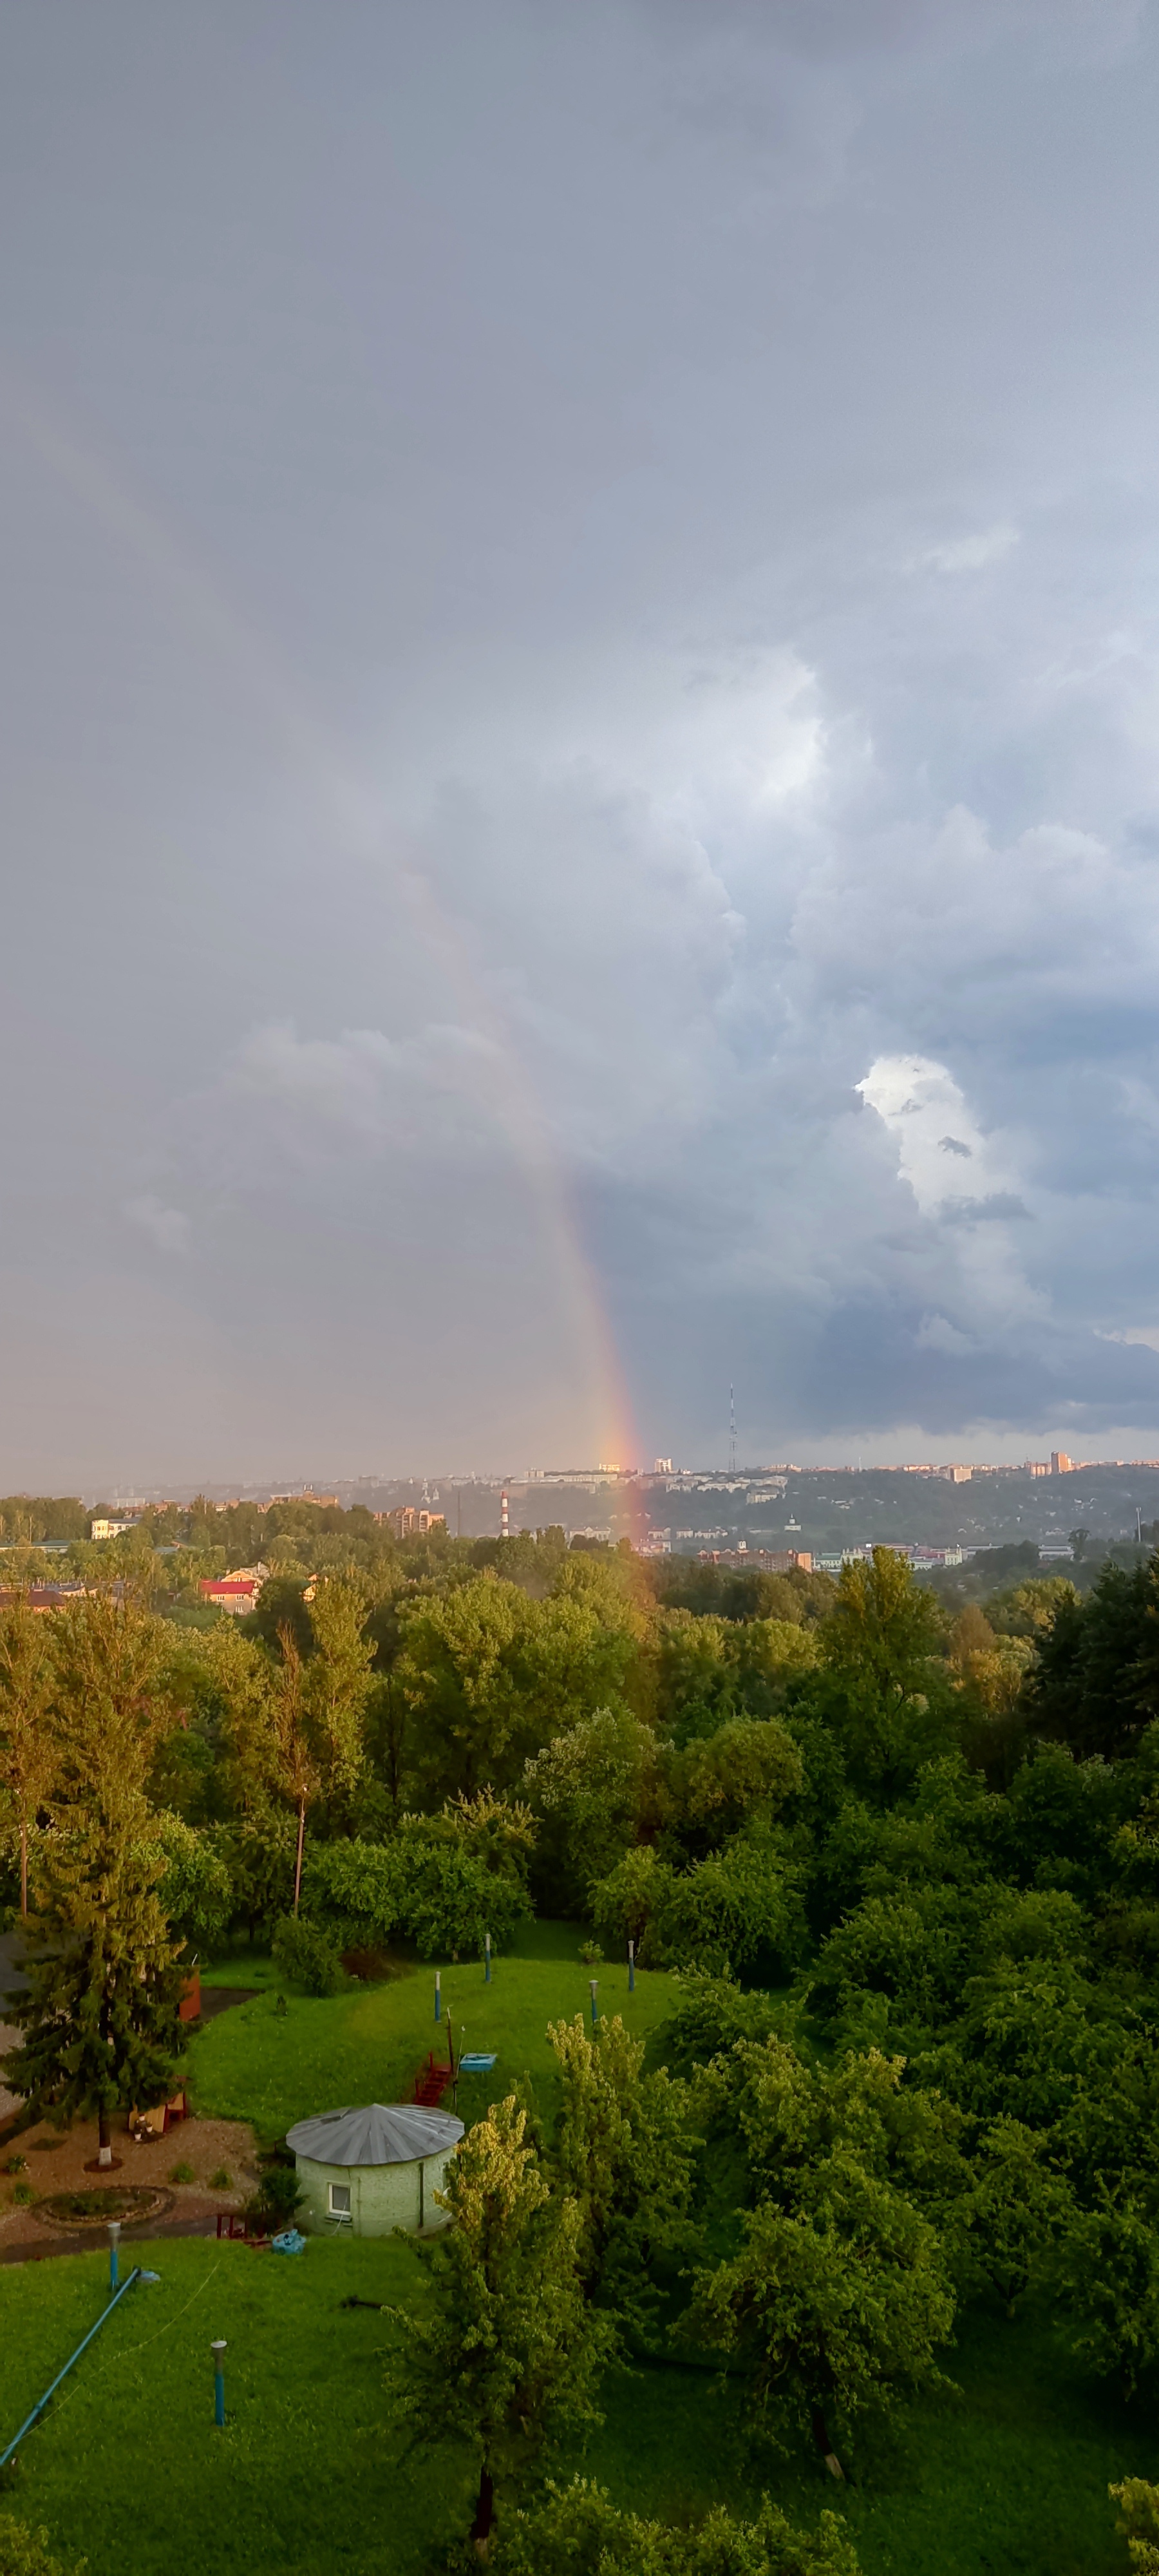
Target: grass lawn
{"x":1009,"y":2479}
{"x":366,"y":2044}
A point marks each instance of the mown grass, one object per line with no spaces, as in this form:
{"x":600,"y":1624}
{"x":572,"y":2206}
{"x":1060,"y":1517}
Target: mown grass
{"x":1008,"y":2478}
{"x":366,"y":2044}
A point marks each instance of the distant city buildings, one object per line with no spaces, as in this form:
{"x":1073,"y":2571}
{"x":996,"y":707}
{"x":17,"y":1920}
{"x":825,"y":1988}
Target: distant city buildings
{"x":111,"y":1529}
{"x":409,"y":1522}
{"x":758,"y":1560}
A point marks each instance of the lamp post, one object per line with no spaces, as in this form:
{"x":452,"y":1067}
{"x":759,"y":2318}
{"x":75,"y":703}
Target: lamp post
{"x":438,"y":1994}
{"x":218,"y":2351}
{"x":593,"y":1982}
{"x":631,"y":1967}
{"x":114,"y":2249}
{"x":486,"y":1958}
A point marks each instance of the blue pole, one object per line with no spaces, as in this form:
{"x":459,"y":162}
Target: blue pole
{"x":631,"y":1967}
{"x":593,"y":1982}
{"x":114,"y":2245}
{"x":218,"y":2351}
{"x":438,"y":1996}
{"x":487,"y":1957}
{"x":42,"y":2402}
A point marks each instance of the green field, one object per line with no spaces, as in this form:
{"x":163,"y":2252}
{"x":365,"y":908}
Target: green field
{"x":308,"y":2477}
{"x":366,"y":2044}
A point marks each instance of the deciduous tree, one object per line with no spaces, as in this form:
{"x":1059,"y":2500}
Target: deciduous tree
{"x":508,"y":2349}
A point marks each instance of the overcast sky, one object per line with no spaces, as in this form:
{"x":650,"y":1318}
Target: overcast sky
{"x":580,"y":698}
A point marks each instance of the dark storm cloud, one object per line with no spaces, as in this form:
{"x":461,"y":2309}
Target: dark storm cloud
{"x":582,"y":632}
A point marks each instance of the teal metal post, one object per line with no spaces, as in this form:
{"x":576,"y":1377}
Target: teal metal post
{"x":438,"y":1995}
{"x":487,"y":1958}
{"x":218,"y":2351}
{"x":631,"y":1967}
{"x":42,"y":2402}
{"x":593,"y":1981}
{"x":114,"y":2247}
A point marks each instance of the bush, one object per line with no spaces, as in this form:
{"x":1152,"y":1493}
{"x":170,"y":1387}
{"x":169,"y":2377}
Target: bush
{"x":718,"y":1915}
{"x":196,"y":1890}
{"x":303,"y":1953}
{"x":220,"y":2181}
{"x":24,"y":2552}
{"x":419,"y":1888}
{"x":278,"y":2194}
{"x":23,"y":2194}
{"x":578,"y":2531}
{"x":182,"y":2173}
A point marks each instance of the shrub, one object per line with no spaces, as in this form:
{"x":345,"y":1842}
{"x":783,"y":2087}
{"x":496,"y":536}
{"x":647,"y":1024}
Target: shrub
{"x":278,"y":2194}
{"x":182,"y":2173}
{"x":16,"y":2164}
{"x":421,"y":1887}
{"x":24,"y":2552}
{"x":578,"y":2531}
{"x":717,"y":1915}
{"x":304,"y":1953}
{"x":591,"y":1954}
{"x":196,"y":1890}
{"x":220,"y":2181}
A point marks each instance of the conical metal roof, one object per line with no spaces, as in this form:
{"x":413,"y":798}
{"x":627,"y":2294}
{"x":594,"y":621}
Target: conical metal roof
{"x":385,"y":2133}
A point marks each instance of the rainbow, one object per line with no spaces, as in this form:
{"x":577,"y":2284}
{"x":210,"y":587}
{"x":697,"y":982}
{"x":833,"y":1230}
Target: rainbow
{"x":200,"y":603}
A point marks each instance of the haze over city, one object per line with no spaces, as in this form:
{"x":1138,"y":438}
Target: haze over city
{"x":579,"y":782}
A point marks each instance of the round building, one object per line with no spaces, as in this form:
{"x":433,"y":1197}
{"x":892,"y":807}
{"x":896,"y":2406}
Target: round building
{"x":373,"y":2170}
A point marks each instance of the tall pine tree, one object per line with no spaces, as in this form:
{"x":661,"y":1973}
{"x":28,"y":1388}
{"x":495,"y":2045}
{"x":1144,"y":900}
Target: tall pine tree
{"x":100,"y":2017}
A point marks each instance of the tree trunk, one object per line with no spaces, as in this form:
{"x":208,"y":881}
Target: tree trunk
{"x":24,"y":1869}
{"x":484,"y":2509}
{"x":824,"y":2445}
{"x":104,"y":2149}
{"x":301,"y":1840}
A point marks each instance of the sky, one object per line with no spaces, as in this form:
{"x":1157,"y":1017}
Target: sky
{"x":579,"y":692}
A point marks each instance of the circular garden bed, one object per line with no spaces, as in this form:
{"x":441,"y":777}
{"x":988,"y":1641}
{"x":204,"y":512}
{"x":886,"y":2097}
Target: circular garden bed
{"x":129,"y":2202}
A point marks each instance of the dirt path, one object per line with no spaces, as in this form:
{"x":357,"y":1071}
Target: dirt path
{"x":56,"y":2161}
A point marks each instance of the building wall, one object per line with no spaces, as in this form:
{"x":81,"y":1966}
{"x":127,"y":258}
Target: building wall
{"x":382,"y":2197}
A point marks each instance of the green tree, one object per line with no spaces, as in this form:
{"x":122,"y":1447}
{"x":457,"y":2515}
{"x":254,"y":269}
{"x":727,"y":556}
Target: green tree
{"x":1016,"y":2207}
{"x":838,"y":2303}
{"x":748,"y":1767}
{"x":1140,"y":2523}
{"x":623,"y":2152}
{"x":878,"y":1646}
{"x":508,"y":2350}
{"x":595,"y":1788}
{"x":577,"y":2531}
{"x":490,"y":1675}
{"x":27,"y":1750}
{"x":1109,"y":2272}
{"x":296,"y":1769}
{"x":196,"y":1891}
{"x":883,"y":1627}
{"x":337,"y":1681}
{"x":25,"y":2552}
{"x":99,"y":2018}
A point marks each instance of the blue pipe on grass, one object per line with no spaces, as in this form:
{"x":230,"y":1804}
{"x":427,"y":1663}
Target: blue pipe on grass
{"x":42,"y":2402}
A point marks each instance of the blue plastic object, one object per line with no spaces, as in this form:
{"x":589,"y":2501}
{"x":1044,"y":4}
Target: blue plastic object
{"x":289,"y":2242}
{"x":476,"y":2065}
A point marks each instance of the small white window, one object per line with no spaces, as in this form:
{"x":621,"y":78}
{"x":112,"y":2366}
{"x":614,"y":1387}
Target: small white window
{"x":339,"y":2200}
